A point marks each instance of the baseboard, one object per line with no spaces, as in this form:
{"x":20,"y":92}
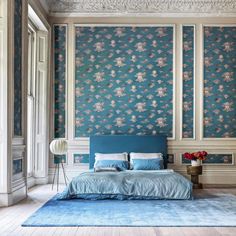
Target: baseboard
{"x":41,"y":180}
{"x":5,"y":199}
{"x":30,"y":182}
{"x":219,"y":186}
{"x":8,"y":199}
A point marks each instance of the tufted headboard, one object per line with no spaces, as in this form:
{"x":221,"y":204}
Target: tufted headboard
{"x":127,"y":143}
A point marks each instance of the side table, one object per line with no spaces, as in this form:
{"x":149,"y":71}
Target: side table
{"x":195,"y":171}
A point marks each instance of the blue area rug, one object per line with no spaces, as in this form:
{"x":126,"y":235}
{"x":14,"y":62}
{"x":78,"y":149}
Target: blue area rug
{"x":215,"y":210}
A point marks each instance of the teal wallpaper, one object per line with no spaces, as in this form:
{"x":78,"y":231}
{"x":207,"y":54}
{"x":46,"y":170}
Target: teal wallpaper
{"x":18,"y":68}
{"x":59,"y":159}
{"x":124,"y":83}
{"x":60,"y":32}
{"x":17,"y":166}
{"x":188,"y":81}
{"x":81,"y":158}
{"x":219,"y":82}
{"x":214,"y":159}
{"x":123,"y":80}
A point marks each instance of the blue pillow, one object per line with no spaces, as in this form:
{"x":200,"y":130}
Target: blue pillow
{"x":148,"y":164}
{"x":118,"y":164}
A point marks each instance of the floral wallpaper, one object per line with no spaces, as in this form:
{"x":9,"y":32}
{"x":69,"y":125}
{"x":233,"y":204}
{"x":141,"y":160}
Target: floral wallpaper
{"x":219,"y":82}
{"x":81,"y":158}
{"x":214,"y":159}
{"x":188,"y":81}
{"x":18,"y":68}
{"x":123,"y":80}
{"x":60,"y":32}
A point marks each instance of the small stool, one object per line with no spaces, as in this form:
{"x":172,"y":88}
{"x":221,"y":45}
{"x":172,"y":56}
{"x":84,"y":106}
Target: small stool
{"x":195,"y":171}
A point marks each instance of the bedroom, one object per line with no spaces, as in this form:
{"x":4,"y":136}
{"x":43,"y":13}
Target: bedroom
{"x":152,"y":82}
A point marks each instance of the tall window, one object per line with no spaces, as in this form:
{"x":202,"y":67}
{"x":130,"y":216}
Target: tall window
{"x":31,"y":97}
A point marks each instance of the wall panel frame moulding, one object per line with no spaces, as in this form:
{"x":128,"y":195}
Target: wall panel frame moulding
{"x":60,"y":80}
{"x":18,"y":79}
{"x":80,"y":158}
{"x":98,"y":76}
{"x":6,"y":80}
{"x":218,"y":82}
{"x":215,"y":159}
{"x":188,"y":74}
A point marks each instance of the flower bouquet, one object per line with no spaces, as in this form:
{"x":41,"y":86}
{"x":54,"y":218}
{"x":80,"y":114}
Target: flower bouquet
{"x":196,"y":157}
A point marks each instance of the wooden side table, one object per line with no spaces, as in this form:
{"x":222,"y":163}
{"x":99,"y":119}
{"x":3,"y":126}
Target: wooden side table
{"x":195,"y":171}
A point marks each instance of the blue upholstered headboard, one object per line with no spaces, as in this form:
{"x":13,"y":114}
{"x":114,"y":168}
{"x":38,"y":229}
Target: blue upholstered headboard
{"x":126,"y":143}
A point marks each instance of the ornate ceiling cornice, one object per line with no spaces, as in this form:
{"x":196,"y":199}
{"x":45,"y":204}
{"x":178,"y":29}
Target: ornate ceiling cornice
{"x":139,"y":7}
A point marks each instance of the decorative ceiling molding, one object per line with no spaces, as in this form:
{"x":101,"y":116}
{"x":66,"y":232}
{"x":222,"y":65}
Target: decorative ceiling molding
{"x":45,"y":5}
{"x":142,"y":7}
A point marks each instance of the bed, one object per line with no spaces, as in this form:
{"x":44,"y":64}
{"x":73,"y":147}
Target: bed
{"x":128,"y":184}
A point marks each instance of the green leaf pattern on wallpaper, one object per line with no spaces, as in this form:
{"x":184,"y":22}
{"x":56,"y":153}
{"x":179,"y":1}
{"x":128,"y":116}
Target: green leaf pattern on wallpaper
{"x":123,"y":80}
{"x":60,"y":32}
{"x":219,"y":82}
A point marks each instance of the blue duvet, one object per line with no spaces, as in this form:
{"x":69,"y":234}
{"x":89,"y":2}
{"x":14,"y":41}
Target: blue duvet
{"x":130,"y":184}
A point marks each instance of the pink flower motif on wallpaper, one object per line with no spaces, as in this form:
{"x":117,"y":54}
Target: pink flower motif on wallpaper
{"x":60,"y":80}
{"x":188,"y":81}
{"x":220,"y":82}
{"x":128,"y":79}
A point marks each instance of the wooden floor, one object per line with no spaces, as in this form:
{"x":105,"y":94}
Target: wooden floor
{"x":12,"y":217}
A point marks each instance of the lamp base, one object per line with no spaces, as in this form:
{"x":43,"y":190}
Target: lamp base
{"x":57,"y":174}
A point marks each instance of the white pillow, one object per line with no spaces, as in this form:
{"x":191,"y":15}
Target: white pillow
{"x":139,"y":155}
{"x":111,"y":156}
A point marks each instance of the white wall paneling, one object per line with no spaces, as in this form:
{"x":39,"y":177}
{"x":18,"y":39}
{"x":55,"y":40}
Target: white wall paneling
{"x":212,"y":174}
{"x":42,"y":93}
{"x":181,"y":81}
{"x":201,"y":76}
{"x":41,"y":143}
{"x":4,"y":131}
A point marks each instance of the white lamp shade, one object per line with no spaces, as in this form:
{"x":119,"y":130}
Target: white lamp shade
{"x":58,"y":146}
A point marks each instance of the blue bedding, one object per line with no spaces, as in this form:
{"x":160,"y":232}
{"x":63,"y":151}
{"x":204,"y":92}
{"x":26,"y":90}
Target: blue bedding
{"x":130,"y":184}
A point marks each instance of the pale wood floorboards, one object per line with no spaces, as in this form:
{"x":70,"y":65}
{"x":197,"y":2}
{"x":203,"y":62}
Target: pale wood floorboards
{"x":12,"y":217}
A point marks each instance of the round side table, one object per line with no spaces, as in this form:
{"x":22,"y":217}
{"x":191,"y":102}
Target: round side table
{"x":195,"y":171}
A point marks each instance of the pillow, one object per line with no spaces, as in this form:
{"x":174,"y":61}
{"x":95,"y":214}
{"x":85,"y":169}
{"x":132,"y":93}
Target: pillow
{"x":148,"y":164}
{"x":113,"y":160}
{"x":111,"y":156}
{"x":119,"y":165}
{"x":106,"y":169}
{"x":146,"y":156}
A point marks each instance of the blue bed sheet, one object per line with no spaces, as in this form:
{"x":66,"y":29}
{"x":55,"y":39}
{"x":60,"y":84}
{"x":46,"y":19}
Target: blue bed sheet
{"x":130,"y":184}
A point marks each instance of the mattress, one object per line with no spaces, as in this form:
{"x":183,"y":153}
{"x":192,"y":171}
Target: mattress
{"x":130,"y":184}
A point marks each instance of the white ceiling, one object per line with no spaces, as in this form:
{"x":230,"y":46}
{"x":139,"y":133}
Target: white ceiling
{"x":140,"y":7}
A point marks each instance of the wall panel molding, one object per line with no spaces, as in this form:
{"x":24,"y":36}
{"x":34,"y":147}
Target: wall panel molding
{"x":215,"y":158}
{"x":188,"y":68}
{"x":120,"y":120}
{"x":225,"y":72}
{"x":80,"y":145}
{"x":60,"y":80}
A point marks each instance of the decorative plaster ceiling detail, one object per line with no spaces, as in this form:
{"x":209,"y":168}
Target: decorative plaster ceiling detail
{"x":122,"y":7}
